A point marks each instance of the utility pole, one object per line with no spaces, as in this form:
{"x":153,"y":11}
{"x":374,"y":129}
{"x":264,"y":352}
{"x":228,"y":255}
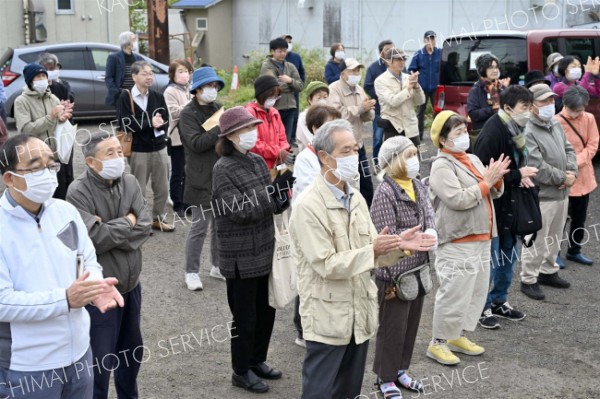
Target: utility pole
{"x":158,"y":30}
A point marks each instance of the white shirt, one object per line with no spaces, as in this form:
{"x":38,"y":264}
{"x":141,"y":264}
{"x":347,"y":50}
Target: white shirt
{"x":142,"y":101}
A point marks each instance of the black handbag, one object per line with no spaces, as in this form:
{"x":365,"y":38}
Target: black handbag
{"x":528,"y":216}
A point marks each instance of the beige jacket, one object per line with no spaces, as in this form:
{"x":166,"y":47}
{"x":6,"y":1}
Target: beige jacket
{"x":32,"y":113}
{"x":398,"y":102}
{"x":349,"y":102}
{"x":176,"y":97}
{"x":333,"y":249}
{"x":460,"y":209}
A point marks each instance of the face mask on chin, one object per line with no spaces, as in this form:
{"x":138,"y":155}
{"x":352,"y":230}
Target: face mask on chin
{"x":40,"y":188}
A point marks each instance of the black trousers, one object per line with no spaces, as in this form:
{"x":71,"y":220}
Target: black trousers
{"x":429,"y":97}
{"x":253,"y":321}
{"x":333,"y":372}
{"x":366,"y":184}
{"x":65,"y":178}
{"x":297,"y":318}
{"x":287,"y":118}
{"x":578,"y":212}
{"x":177,"y":179}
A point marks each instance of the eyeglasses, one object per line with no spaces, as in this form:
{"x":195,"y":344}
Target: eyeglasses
{"x":55,"y":167}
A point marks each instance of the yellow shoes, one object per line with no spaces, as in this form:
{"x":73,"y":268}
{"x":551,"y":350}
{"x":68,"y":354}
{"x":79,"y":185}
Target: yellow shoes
{"x":441,"y":353}
{"x":465,"y":345}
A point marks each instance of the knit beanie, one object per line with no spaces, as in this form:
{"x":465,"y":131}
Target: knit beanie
{"x":264,"y":83}
{"x":392,"y":147}
{"x":31,"y":71}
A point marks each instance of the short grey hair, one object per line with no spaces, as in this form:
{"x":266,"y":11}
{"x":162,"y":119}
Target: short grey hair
{"x":576,"y":97}
{"x":323,"y":140}
{"x":137,"y":66}
{"x":47,"y":59}
{"x":125,"y":39}
{"x":89,"y":149}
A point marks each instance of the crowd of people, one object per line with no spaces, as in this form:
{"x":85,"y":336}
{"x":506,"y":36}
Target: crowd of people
{"x":362,"y":254}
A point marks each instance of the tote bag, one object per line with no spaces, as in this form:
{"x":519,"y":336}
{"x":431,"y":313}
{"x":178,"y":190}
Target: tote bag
{"x":64,"y":134}
{"x":282,"y":280}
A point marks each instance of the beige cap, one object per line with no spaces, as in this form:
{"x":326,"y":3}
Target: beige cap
{"x":351,"y":63}
{"x":541,"y":91}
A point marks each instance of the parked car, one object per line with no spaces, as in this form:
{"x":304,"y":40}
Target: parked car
{"x":518,"y":53}
{"x":83,"y":66}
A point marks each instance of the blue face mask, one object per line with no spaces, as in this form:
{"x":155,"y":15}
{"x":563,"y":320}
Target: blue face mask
{"x":546,"y":112}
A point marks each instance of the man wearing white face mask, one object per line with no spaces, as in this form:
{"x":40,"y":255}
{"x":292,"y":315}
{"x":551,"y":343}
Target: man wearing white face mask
{"x":113,"y":210}
{"x":553,"y":155}
{"x":38,"y":112}
{"x":48,"y":273}
{"x":200,"y":156}
{"x":336,"y":246}
{"x":355,"y":106}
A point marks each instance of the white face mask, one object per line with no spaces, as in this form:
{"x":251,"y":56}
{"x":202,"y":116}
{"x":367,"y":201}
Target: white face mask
{"x":290,"y":47}
{"x":248,"y":140}
{"x":574,"y":73}
{"x":353,"y":80}
{"x":412,"y":167}
{"x":270,"y":102}
{"x":461,"y":144}
{"x":53,"y":75}
{"x":322,"y":102}
{"x":135,"y":47}
{"x":555,"y":70}
{"x":208,"y":95}
{"x":520,"y":119}
{"x":40,"y":85}
{"x":347,"y":168}
{"x":340,"y":55}
{"x":40,"y":188}
{"x":546,"y":112}
{"x":112,"y":168}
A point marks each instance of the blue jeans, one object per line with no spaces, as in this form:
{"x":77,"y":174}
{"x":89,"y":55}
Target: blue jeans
{"x":505,"y":253}
{"x":71,"y":382}
{"x":377,"y":138}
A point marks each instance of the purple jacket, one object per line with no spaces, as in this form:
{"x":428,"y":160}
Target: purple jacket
{"x":589,"y":82}
{"x":392,"y":207}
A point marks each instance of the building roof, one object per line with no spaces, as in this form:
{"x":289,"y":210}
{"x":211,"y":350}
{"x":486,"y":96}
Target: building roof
{"x":195,"y":3}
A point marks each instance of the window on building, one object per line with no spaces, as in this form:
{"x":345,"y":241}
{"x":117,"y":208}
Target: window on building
{"x":65,"y":7}
{"x":201,"y":23}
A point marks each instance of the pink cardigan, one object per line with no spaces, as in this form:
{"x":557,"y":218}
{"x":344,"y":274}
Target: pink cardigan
{"x":587,"y":128}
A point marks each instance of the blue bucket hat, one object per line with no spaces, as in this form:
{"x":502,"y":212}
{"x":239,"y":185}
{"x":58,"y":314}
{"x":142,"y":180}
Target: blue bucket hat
{"x":203,"y":76}
{"x":31,"y":71}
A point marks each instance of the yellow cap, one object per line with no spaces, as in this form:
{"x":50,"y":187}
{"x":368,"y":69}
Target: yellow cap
{"x":438,"y":124}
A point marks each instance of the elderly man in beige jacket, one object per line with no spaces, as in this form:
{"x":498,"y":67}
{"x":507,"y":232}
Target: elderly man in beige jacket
{"x":353,"y":102}
{"x":336,"y":245}
{"x":399,"y":94}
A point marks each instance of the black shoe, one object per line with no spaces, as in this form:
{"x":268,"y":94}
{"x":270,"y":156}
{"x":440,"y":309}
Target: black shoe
{"x":533,"y":291}
{"x":266,"y":372}
{"x":580,"y":258}
{"x":250,"y":382}
{"x":488,"y":320}
{"x":506,"y":311}
{"x":553,"y":280}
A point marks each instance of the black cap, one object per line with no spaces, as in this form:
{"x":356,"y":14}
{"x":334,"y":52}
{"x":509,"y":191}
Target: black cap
{"x":429,"y":33}
{"x":534,"y":77}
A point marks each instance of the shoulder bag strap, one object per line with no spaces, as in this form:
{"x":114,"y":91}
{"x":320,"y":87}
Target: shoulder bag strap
{"x":131,"y":102}
{"x":575,"y":130}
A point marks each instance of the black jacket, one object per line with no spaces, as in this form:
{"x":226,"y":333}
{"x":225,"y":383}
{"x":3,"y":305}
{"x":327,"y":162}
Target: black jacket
{"x":200,"y":154}
{"x":477,"y":106}
{"x":140,"y":122}
{"x":494,"y":140}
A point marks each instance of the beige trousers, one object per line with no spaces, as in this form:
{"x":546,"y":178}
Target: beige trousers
{"x":153,"y":166}
{"x":463,"y":271}
{"x":541,"y":257}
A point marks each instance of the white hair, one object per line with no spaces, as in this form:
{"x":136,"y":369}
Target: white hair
{"x":125,"y":39}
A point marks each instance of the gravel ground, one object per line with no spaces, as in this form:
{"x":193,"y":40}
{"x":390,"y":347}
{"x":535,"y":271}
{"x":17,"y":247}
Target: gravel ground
{"x":550,"y":354}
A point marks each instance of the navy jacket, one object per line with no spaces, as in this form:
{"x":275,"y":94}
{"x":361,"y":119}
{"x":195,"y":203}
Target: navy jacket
{"x":373,"y":72}
{"x":332,"y":72}
{"x":295,"y":59}
{"x":115,"y":73}
{"x":428,"y":66}
{"x":477,"y":106}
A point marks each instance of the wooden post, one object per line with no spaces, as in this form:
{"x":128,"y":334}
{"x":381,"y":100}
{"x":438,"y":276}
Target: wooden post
{"x":158,"y":30}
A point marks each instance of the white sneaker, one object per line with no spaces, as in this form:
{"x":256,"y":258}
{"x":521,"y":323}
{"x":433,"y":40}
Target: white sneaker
{"x":215,"y":272}
{"x":169,"y":201}
{"x":193,"y":281}
{"x":300,"y":342}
